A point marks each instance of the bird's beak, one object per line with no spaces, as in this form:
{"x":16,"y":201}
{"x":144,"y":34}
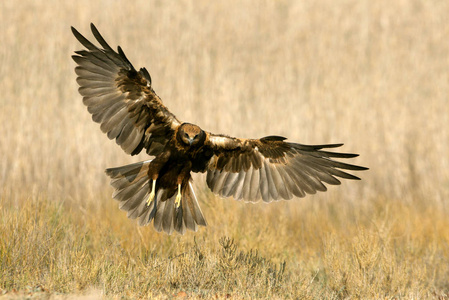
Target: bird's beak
{"x":191,"y":141}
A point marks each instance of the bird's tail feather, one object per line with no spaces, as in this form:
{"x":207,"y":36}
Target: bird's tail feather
{"x":132,"y":189}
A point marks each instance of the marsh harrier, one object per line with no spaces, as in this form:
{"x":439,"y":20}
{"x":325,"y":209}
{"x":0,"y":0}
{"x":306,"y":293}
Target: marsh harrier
{"x":121,"y":99}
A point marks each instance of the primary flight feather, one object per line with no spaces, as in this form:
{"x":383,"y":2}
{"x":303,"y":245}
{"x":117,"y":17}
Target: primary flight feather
{"x":122,"y":100}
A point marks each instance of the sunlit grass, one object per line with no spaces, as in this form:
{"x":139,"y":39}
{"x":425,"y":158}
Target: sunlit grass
{"x":391,"y":252}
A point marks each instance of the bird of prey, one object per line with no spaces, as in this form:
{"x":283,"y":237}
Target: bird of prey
{"x":121,"y":99}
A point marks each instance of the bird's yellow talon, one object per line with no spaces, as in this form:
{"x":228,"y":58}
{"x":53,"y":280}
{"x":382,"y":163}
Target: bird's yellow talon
{"x":152,"y":193}
{"x":178,"y":197}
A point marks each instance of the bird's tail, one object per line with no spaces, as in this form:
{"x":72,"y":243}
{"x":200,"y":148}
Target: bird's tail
{"x":132,"y":189}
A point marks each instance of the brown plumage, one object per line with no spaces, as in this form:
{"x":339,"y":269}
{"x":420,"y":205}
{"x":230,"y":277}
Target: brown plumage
{"x":123,"y":101}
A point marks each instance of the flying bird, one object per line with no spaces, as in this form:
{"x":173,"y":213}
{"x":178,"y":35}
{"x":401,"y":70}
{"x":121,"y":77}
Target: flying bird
{"x":121,"y":99}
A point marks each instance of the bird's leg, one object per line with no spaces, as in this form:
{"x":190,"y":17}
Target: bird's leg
{"x":183,"y":176}
{"x":178,"y":196}
{"x":153,"y":172}
{"x":152,"y":193}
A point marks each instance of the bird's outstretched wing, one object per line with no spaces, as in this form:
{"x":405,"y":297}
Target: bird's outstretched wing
{"x":271,"y":169}
{"x":121,"y":98}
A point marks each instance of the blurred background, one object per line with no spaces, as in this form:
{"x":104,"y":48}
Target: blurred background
{"x":373,"y":75}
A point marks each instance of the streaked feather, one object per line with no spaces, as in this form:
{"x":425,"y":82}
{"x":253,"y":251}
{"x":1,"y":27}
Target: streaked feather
{"x":111,"y":88}
{"x":133,"y":187}
{"x":272,"y":168}
{"x":238,"y":187}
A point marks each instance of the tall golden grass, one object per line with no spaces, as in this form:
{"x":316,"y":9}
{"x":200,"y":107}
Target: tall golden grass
{"x":371,"y":74}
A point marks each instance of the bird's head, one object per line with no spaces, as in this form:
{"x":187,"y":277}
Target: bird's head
{"x":191,"y":135}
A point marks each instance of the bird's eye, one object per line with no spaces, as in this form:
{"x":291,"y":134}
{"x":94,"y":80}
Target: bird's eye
{"x":186,"y":135}
{"x":196,"y":136}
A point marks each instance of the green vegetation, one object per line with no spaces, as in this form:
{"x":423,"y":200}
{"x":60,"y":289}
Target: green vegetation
{"x":374,"y":75}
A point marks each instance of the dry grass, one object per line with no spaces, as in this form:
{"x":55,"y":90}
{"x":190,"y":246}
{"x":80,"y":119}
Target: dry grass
{"x":372,"y":74}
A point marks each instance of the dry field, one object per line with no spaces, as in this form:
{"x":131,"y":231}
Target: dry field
{"x":371,"y":74}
